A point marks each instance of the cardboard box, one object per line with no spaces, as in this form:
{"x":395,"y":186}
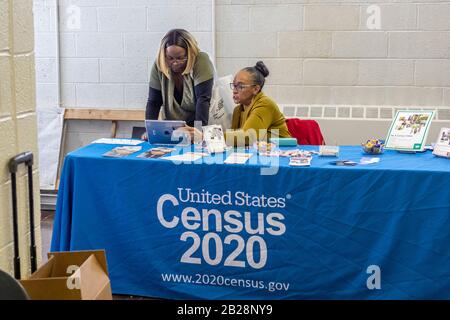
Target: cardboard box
{"x":74,"y":275}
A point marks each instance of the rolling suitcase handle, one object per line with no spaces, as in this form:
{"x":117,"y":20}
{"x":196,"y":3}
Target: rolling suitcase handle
{"x":27,"y":158}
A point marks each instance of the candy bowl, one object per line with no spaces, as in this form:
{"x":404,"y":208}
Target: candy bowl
{"x":373,"y":146}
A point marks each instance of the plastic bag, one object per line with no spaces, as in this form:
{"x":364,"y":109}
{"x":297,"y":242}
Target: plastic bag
{"x":222,"y":104}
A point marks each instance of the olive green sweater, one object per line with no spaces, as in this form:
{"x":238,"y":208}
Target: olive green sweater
{"x":263,"y":116}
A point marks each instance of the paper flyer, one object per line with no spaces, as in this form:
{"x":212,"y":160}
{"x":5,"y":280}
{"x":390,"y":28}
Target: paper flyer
{"x":300,"y":161}
{"x":155,"y":152}
{"x":120,"y":152}
{"x":238,"y":158}
{"x":186,"y":157}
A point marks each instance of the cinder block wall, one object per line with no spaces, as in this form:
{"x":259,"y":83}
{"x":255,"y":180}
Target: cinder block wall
{"x":322,"y":53}
{"x":106,"y":57}
{"x":17,"y":126}
{"x":325,"y":62}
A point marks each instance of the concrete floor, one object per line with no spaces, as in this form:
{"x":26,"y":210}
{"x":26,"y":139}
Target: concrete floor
{"x":47,"y":218}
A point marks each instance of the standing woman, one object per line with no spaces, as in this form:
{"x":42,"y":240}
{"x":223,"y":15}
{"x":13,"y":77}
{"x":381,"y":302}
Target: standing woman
{"x":181,"y":80}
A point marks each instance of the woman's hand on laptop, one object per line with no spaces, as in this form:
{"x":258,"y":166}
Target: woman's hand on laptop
{"x":144,"y":136}
{"x":195,"y":135}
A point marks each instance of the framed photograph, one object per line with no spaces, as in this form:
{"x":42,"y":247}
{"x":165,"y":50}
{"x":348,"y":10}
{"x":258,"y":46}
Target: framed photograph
{"x":442,"y":146}
{"x":214,"y":138}
{"x":409,"y":130}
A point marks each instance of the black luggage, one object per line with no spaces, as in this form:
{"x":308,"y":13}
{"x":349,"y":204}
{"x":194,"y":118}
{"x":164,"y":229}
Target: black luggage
{"x":27,"y":159}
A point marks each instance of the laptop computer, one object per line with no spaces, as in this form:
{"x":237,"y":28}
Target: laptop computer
{"x":161,"y":132}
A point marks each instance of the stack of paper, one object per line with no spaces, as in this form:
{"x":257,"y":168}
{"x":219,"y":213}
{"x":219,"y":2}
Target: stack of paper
{"x":186,"y":157}
{"x":238,"y":158}
{"x":300,"y":161}
{"x":130,"y":142}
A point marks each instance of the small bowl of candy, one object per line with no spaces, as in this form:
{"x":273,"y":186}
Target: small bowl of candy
{"x":373,"y":146}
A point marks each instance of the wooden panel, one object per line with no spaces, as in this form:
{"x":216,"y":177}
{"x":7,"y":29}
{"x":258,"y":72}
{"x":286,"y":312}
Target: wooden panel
{"x":113,"y":115}
{"x":104,"y":114}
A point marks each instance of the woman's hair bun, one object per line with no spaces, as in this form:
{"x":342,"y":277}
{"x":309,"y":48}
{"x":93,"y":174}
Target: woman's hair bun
{"x":261,"y":67}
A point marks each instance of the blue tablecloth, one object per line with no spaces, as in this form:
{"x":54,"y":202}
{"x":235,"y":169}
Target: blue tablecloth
{"x":217,"y":231}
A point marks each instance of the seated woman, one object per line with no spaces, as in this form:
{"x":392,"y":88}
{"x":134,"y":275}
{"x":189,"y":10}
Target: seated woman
{"x":181,"y":81}
{"x":256,"y":117}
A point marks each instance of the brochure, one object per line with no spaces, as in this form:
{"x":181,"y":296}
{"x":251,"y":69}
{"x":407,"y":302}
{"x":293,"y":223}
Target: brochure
{"x":287,"y":153}
{"x":120,"y":152}
{"x":238,"y":158}
{"x":300,"y":161}
{"x":155,"y":152}
{"x":186,"y":157}
{"x":442,"y":146}
{"x":409,"y":130}
{"x":214,"y":138}
{"x":368,"y":160}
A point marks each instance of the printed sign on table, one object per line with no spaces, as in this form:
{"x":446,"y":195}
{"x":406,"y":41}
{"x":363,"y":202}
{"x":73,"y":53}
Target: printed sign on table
{"x":409,"y":130}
